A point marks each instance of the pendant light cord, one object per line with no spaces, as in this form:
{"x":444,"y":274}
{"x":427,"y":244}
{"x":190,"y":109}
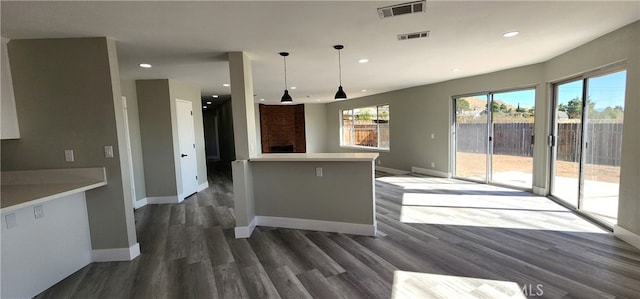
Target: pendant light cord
{"x":285,"y":72}
{"x":340,"y":67}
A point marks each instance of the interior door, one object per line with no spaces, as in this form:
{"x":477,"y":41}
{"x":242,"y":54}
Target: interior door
{"x":187,"y":148}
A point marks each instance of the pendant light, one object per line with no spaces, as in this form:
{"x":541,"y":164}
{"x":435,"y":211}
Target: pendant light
{"x":286,"y":98}
{"x":340,"y":95}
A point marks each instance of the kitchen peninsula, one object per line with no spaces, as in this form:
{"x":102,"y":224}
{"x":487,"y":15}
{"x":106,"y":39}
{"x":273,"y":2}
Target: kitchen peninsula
{"x":45,"y":229}
{"x":332,"y":192}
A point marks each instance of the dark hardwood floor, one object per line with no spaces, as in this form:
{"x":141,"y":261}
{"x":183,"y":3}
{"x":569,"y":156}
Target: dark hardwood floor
{"x":438,"y":238}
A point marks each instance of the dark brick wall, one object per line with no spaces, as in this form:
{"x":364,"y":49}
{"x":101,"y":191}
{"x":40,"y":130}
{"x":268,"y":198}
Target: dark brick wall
{"x":282,"y":126}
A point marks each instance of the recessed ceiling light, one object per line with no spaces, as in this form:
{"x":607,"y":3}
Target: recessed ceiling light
{"x":226,"y":84}
{"x":317,"y":100}
{"x":455,"y":69}
{"x":363,"y":60}
{"x":262,"y":100}
{"x":204,"y":107}
{"x":145,"y":65}
{"x":364,"y":90}
{"x":215,"y":96}
{"x":209,"y":103}
{"x":511,"y":34}
{"x":293,"y":87}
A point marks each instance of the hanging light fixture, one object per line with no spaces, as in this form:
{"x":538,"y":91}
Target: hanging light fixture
{"x":286,"y":98}
{"x":340,"y":95}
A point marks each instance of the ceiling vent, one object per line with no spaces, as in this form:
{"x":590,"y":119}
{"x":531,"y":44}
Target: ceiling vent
{"x":402,"y":9}
{"x":421,"y":34}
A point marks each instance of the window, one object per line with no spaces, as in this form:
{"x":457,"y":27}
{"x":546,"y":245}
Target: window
{"x":366,"y":127}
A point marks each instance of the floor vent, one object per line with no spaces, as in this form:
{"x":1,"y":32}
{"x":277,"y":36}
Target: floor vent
{"x":421,"y":34}
{"x":402,"y":9}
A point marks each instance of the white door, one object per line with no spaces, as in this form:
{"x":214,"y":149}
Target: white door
{"x":187,"y":148}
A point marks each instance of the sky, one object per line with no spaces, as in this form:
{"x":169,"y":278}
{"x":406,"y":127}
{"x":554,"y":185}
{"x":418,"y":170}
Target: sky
{"x":605,"y":91}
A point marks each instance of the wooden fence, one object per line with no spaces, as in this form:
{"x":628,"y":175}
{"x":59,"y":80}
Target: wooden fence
{"x":604,"y":141}
{"x":367,"y":134}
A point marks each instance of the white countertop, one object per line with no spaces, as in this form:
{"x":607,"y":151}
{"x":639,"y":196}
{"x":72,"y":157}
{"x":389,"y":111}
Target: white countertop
{"x":308,"y":157}
{"x":25,"y":188}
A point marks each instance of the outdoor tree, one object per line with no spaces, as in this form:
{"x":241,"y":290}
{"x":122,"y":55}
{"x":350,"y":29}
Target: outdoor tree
{"x":462,"y":105}
{"x":574,"y":108}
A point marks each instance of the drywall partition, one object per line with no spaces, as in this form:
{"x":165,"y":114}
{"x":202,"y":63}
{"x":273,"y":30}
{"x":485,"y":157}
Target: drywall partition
{"x":154,"y":110}
{"x":128,"y":88}
{"x":315,"y":127}
{"x":159,"y":137}
{"x":244,"y":127}
{"x":66,"y":94}
{"x":622,"y":45}
{"x":9,"y":128}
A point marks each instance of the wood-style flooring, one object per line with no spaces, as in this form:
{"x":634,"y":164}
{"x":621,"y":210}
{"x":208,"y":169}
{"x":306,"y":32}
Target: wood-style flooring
{"x":437,"y":238}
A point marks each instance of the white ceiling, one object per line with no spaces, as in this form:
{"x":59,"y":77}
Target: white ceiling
{"x":188,"y":41}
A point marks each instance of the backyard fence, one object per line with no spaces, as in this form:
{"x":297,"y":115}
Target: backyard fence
{"x":367,"y":133}
{"x":603,"y":145}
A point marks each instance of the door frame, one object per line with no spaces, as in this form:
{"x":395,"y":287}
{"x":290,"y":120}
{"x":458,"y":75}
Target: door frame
{"x":489,"y":149}
{"x":584,"y":77}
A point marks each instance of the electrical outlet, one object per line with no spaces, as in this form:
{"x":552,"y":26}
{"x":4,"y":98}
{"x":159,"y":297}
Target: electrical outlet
{"x":68,"y":155}
{"x":433,"y":136}
{"x":10,"y":220}
{"x":318,"y":171}
{"x":38,"y":211}
{"x":379,"y":162}
{"x":433,"y":164}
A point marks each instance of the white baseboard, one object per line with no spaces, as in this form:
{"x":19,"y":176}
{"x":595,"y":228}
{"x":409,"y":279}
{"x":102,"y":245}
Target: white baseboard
{"x":140,"y":203}
{"x":115,"y":254}
{"x":539,"y":191}
{"x":245,"y":231}
{"x":391,"y":170}
{"x":318,"y":225}
{"x":203,"y":186}
{"x":162,"y":199}
{"x":431,"y":172}
{"x":627,"y":236}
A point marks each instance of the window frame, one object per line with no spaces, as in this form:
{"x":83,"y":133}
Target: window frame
{"x":352,"y":128}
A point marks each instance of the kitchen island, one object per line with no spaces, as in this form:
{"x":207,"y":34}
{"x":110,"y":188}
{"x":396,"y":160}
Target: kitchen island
{"x":45,"y":229}
{"x":332,"y":192}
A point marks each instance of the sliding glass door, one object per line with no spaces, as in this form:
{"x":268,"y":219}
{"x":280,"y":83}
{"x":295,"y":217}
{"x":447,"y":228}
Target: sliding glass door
{"x":471,"y":137}
{"x":589,"y":114}
{"x":493,"y":137}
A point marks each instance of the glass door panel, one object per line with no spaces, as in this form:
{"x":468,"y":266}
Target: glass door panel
{"x":603,"y":142}
{"x":568,"y":131}
{"x":471,"y":137}
{"x":512,"y":149}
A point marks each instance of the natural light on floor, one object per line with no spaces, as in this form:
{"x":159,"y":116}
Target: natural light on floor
{"x":453,"y":202}
{"x":424,"y":285}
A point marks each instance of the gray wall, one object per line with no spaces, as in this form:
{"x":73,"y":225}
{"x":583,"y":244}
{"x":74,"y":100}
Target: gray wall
{"x":347,"y":185}
{"x":67,"y":92}
{"x":417,"y":112}
{"x":620,"y":45}
{"x":315,"y":127}
{"x":156,"y":137}
{"x":128,"y":88}
{"x":158,"y":133}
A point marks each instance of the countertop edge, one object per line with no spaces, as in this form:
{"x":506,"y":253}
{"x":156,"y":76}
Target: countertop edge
{"x":51,"y":197}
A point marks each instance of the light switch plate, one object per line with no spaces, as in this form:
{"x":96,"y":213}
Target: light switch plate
{"x":108,"y":151}
{"x":68,"y":155}
{"x":318,"y":171}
